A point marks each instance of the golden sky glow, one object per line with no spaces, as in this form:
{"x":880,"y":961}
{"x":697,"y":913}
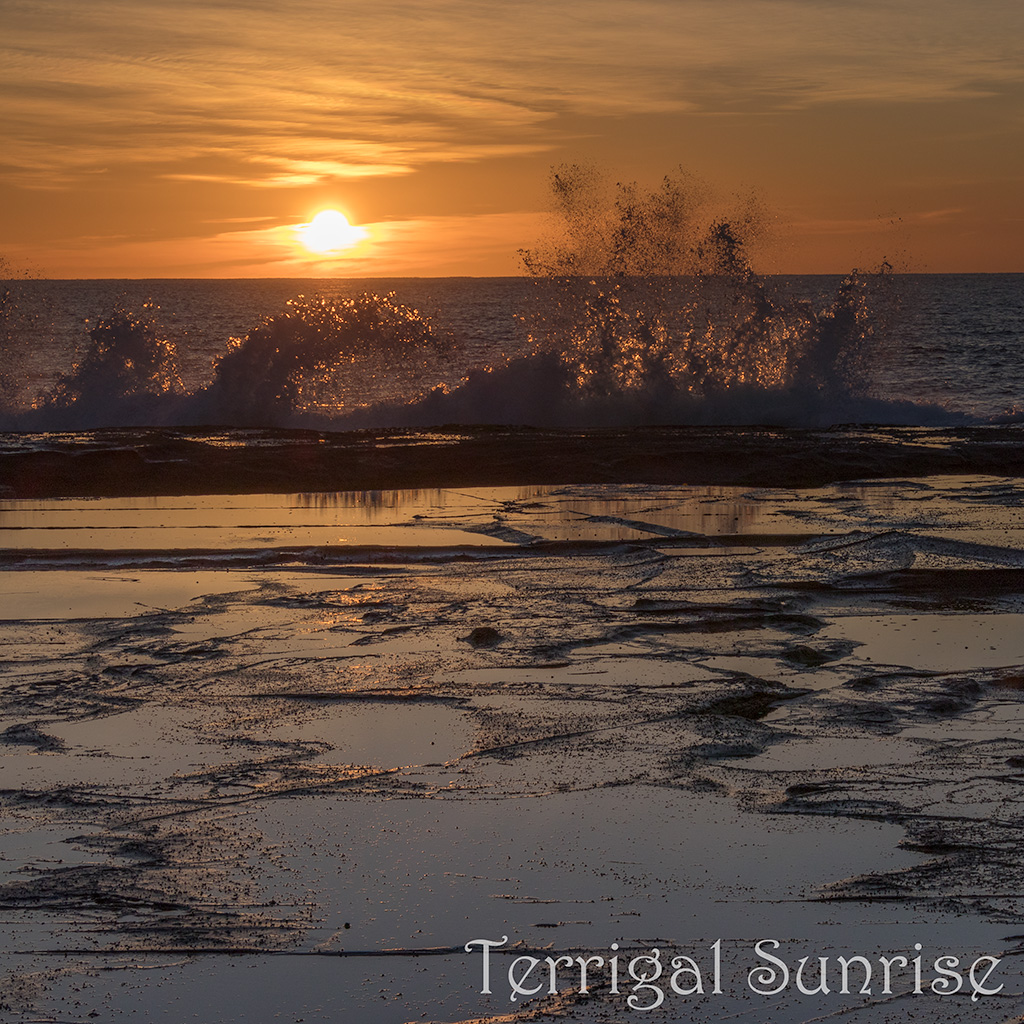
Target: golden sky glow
{"x":146,"y":138}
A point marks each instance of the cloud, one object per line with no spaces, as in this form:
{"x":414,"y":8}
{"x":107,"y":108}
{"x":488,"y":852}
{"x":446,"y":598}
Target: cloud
{"x":420,"y":247}
{"x":310,"y":91}
{"x":832,"y":227}
{"x":934,"y":216}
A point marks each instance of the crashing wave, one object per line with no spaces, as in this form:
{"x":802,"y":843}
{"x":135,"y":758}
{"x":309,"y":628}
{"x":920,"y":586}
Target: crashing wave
{"x":646,"y":311}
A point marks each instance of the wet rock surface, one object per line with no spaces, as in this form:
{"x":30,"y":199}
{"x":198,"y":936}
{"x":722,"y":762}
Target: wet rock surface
{"x":339,"y":772}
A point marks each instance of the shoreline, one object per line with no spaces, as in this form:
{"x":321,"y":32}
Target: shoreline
{"x":177,"y":461}
{"x":301,"y":787}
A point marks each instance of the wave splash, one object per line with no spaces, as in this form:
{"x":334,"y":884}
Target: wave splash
{"x":649,"y":290}
{"x":646,"y":310}
{"x":128,"y":364}
{"x":320,"y":358}
{"x":308,"y":365}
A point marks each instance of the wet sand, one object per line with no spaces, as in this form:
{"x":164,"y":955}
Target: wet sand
{"x":290,"y":774}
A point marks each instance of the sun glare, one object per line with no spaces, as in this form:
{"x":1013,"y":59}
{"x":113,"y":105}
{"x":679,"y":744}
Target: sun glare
{"x":329,"y":232}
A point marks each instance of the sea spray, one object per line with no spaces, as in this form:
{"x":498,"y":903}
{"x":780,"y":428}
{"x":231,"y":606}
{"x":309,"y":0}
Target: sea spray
{"x":320,"y":358}
{"x":18,"y":323}
{"x":129,"y":374}
{"x":8,"y":379}
{"x":647,"y":310}
{"x":653,"y":290}
{"x":644,"y":309}
{"x":315,"y":361}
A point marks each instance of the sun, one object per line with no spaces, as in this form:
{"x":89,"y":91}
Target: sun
{"x":329,"y":232}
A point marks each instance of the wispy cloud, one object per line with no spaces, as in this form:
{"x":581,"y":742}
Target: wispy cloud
{"x":832,"y":227}
{"x":933,"y":216}
{"x":419,"y":247}
{"x":309,"y":91}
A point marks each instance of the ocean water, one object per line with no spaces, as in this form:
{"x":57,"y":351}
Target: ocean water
{"x":807,"y":351}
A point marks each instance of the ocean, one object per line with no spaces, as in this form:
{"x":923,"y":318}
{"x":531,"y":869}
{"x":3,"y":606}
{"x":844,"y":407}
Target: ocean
{"x":929,"y":349}
{"x":473,"y":650}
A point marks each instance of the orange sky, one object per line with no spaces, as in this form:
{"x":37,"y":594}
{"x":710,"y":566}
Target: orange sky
{"x":192,"y":139}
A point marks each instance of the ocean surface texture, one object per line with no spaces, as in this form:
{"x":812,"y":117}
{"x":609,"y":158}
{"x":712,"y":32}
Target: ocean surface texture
{"x":802,"y":352}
